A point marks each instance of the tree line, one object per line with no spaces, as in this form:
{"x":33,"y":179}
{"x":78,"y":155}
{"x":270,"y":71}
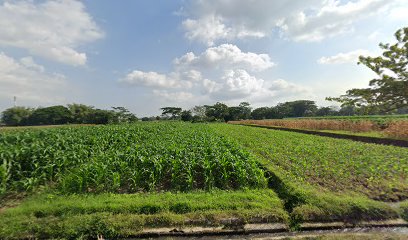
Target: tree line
{"x":71,"y":114}
{"x":219,"y":112}
{"x":293,"y":109}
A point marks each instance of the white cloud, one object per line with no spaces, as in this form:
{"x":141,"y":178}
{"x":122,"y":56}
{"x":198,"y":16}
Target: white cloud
{"x":210,"y":28}
{"x":307,"y":20}
{"x":237,"y":84}
{"x":29,"y":81}
{"x":29,"y":63}
{"x":340,"y":58}
{"x":155,"y":80}
{"x":50,"y":29}
{"x":218,"y":73}
{"x":225,"y":56}
{"x":173,"y":96}
{"x":331,"y":19}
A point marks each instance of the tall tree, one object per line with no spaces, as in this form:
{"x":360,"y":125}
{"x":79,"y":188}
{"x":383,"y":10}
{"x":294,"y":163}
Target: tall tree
{"x":16,"y":116}
{"x":124,"y":115}
{"x":50,"y":116}
{"x":80,"y":113}
{"x":299,"y":108}
{"x":389,"y":91}
{"x":172,"y":113}
{"x":217,"y":112}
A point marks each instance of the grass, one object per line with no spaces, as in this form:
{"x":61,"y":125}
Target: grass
{"x":376,"y":134}
{"x":51,"y":215}
{"x":404,"y":210}
{"x":325,"y":179}
{"x":189,"y":175}
{"x":377,"y":171}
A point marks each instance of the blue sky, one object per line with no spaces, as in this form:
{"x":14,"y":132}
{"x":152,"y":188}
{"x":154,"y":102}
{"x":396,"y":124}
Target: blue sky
{"x":148,"y":54}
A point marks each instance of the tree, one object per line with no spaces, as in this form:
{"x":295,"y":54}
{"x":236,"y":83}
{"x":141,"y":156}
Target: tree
{"x":16,"y":116}
{"x":299,"y":108}
{"x":80,"y":113}
{"x":172,"y":113}
{"x":50,"y":116}
{"x":217,"y":112}
{"x":99,"y":116}
{"x":186,"y":116}
{"x":242,"y":111}
{"x":326,"y":111}
{"x":199,"y":112}
{"x":124,"y":116}
{"x":260,"y":113}
{"x":389,"y":91}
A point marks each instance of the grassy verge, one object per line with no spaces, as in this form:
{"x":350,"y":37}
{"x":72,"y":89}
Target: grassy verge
{"x":376,"y":134}
{"x":404,"y":210}
{"x":50,"y":215}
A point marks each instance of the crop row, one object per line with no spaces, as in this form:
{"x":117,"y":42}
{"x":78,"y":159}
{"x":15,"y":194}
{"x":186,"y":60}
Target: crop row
{"x":125,"y":158}
{"x":380,"y":172}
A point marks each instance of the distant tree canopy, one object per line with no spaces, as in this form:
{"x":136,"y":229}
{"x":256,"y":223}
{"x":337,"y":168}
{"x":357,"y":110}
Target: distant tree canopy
{"x":388,"y":92}
{"x":16,"y":116}
{"x":73,"y":113}
{"x":50,"y":116}
{"x":219,"y":112}
{"x":172,"y":113}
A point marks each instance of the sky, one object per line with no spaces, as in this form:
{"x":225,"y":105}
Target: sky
{"x":148,"y":54}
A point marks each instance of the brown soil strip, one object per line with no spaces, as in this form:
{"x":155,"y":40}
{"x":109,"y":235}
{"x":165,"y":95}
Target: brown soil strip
{"x":383,"y":141}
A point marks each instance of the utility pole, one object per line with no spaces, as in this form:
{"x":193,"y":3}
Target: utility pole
{"x":15,"y":101}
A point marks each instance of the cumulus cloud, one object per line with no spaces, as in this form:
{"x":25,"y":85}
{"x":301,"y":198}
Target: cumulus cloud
{"x":173,"y":96}
{"x":50,"y":29}
{"x":224,"y":56}
{"x":218,"y":73}
{"x":331,"y":19}
{"x":155,"y":80}
{"x":210,"y":28}
{"x":308,"y":20}
{"x":235,"y":84}
{"x":340,"y":58}
{"x":29,"y":81}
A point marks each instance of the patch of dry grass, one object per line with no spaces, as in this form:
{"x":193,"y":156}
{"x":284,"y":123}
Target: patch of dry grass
{"x":397,"y":129}
{"x":354,"y":126}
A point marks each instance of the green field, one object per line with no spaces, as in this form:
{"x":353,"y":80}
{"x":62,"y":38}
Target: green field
{"x":377,"y":171}
{"x":116,"y":180}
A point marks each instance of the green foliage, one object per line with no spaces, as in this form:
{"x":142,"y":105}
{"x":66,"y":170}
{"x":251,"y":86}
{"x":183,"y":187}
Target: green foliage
{"x":404,"y":210}
{"x":16,"y":116}
{"x":377,"y":171}
{"x":299,"y":108}
{"x":390,"y":91}
{"x":73,"y":113}
{"x":186,"y":116}
{"x":80,"y":112}
{"x":265,"y":113}
{"x":172,"y":113}
{"x":126,"y":158}
{"x":50,"y":116}
{"x":112,"y":215}
{"x":123,"y":115}
{"x":217,"y":112}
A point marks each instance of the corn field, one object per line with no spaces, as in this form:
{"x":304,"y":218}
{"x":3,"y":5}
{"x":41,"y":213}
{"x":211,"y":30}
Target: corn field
{"x":125,"y":159}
